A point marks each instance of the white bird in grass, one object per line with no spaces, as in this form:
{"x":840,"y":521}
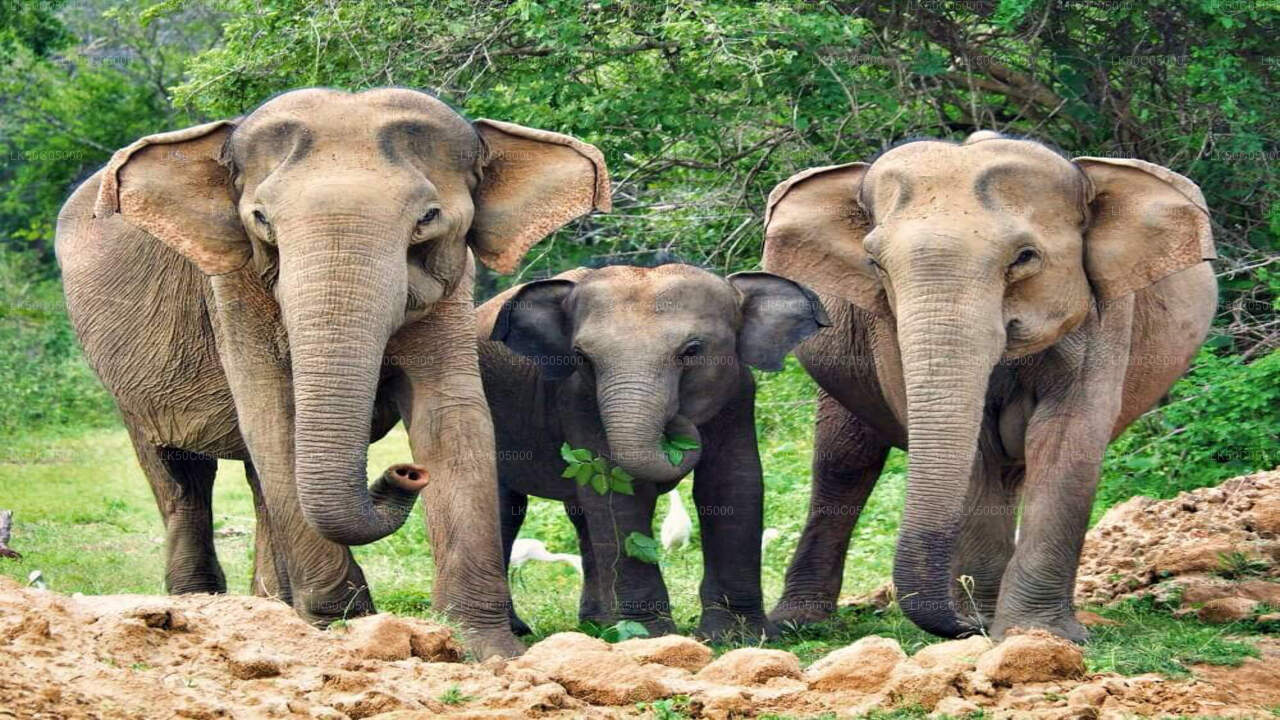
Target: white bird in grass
{"x":525,"y":549}
{"x":768,"y":536}
{"x":676,"y":526}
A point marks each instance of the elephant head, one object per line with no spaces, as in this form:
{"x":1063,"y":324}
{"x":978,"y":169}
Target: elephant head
{"x":976,"y":253}
{"x":357,"y":211}
{"x":658,"y":350}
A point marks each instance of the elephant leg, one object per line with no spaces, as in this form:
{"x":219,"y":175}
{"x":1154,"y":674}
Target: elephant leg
{"x":1066,"y":438}
{"x":595,"y":602}
{"x":634,"y":589}
{"x":728,"y":493}
{"x":987,"y":539}
{"x":441,"y":397}
{"x":182,"y":483}
{"x":512,"y":507}
{"x":847,"y":459}
{"x":270,"y":568}
{"x":323,"y":579}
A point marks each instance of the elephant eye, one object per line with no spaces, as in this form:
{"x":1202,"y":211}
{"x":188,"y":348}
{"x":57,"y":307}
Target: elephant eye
{"x":692,"y":349}
{"x":580,"y":359}
{"x":430,"y":215}
{"x":260,"y":217}
{"x":1024,"y":257}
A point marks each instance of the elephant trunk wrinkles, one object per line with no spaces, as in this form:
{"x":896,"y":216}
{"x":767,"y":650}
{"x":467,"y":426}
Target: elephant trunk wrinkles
{"x":637,"y":410}
{"x":950,"y":345}
{"x":341,"y":296}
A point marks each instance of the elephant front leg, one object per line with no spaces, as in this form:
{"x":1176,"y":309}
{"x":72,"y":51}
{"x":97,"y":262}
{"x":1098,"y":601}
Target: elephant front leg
{"x":728,"y":494}
{"x":1066,"y":438}
{"x":847,"y":459}
{"x":987,"y":538}
{"x":633,"y":588}
{"x":442,"y":400}
{"x":595,"y":603}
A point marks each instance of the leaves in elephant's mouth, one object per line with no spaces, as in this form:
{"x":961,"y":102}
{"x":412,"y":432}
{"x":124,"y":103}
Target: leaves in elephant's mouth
{"x":675,"y":446}
{"x":587,"y":468}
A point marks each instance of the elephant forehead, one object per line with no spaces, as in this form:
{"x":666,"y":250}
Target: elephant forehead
{"x":389,"y":124}
{"x":995,"y":175}
{"x":666,"y":290}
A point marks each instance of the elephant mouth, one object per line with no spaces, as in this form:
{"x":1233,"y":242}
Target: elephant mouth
{"x":662,"y":461}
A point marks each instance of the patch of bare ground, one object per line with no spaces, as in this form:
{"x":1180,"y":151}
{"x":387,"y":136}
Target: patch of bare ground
{"x":128,"y":656}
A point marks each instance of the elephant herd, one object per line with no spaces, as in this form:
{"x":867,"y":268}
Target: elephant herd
{"x":284,"y":287}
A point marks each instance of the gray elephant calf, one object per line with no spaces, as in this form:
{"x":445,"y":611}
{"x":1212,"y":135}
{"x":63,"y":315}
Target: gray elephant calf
{"x":610,"y":361}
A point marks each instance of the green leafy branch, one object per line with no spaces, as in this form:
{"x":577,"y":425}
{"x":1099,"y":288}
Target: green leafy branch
{"x":587,"y":468}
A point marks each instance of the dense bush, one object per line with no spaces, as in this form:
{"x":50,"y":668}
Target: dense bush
{"x":1221,"y":420}
{"x":701,"y":106}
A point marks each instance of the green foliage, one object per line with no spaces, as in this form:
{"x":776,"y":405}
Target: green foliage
{"x":66,"y":112}
{"x":675,"y":446}
{"x":453,"y":696}
{"x":1237,"y":565}
{"x":642,"y":547}
{"x":615,"y":633}
{"x":677,"y":707}
{"x":1148,"y":639}
{"x":587,"y":468}
{"x":1221,"y":420}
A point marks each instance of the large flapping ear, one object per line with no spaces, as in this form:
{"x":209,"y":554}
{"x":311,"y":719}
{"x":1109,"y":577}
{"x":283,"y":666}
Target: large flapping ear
{"x":777,"y":314}
{"x":534,"y":182}
{"x":1146,"y":223}
{"x":535,"y":323}
{"x":174,"y":186}
{"x":813,"y":231}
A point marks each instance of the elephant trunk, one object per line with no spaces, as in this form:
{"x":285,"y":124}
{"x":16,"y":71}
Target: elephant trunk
{"x":949,"y":346}
{"x":637,"y":409}
{"x":341,"y":292}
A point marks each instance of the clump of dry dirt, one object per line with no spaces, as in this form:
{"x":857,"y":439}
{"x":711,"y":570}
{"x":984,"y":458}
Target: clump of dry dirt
{"x":128,"y":656}
{"x":131,"y":656}
{"x":1213,"y":551}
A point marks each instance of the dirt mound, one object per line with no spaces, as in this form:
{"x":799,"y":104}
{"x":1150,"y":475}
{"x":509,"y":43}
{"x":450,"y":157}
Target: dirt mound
{"x":126,"y":656}
{"x":129,"y":656}
{"x":1215,"y":551}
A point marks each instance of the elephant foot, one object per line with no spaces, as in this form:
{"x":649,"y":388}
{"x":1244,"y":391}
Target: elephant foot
{"x":722,"y":625}
{"x":799,"y":611}
{"x":1065,"y":626}
{"x":407,"y":477}
{"x":484,"y":644}
{"x":323,"y":610}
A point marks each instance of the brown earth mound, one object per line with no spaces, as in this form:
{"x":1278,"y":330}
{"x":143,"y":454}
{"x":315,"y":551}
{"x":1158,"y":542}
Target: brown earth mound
{"x":129,"y":656}
{"x":1214,"y":551}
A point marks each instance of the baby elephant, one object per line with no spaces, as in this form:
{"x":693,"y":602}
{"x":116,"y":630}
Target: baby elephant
{"x":623,"y":362}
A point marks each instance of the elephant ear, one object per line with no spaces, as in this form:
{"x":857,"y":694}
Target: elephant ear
{"x":534,"y":182}
{"x":777,"y":314}
{"x":1146,"y":223}
{"x":535,"y":323}
{"x":175,"y":186}
{"x":814,"y":227}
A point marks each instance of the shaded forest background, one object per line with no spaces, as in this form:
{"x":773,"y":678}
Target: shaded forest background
{"x":700,"y":107}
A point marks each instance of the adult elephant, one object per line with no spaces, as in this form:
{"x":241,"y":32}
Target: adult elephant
{"x":1002,"y":312}
{"x":281,"y":289}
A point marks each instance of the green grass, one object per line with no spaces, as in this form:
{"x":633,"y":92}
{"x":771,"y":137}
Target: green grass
{"x":85,"y":518}
{"x":1149,"y":639}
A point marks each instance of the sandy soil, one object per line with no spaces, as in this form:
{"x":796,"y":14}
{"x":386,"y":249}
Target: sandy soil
{"x":130,"y":656}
